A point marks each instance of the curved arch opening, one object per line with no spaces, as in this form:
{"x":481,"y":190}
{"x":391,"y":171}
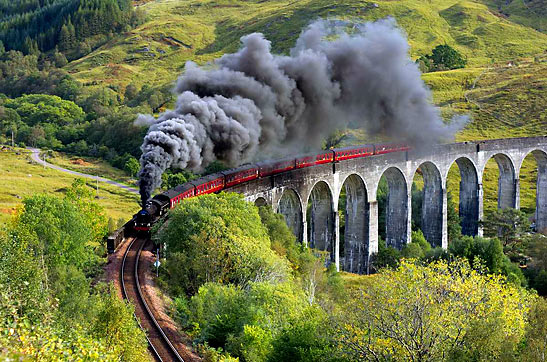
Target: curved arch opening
{"x":320,"y":219}
{"x":353,"y":211}
{"x":499,"y":186}
{"x":392,"y":196}
{"x":427,"y":203}
{"x":291,"y":208}
{"x":533,"y":189}
{"x":260,"y":201}
{"x":464,"y":190}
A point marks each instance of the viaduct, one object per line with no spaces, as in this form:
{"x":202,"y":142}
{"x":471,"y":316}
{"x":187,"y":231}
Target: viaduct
{"x":289,"y":193}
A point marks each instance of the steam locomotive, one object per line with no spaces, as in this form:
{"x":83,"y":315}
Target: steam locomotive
{"x":157,"y":206}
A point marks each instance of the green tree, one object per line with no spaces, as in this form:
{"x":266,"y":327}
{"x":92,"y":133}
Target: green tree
{"x":488,"y":251}
{"x":131,"y":92}
{"x":132,"y":166}
{"x":507,"y":224}
{"x":218,"y":238}
{"x":387,"y":256}
{"x":41,"y":108}
{"x":68,"y":89}
{"x":446,"y":57}
{"x":175,"y":179}
{"x":453,"y":219}
{"x":59,"y":59}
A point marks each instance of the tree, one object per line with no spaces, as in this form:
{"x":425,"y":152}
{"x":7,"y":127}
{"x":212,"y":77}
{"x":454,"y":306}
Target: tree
{"x":450,"y":58}
{"x":218,"y":238}
{"x":214,"y":167}
{"x":453,"y":219}
{"x":59,"y":59}
{"x":130,"y":92}
{"x":132,"y":166}
{"x":36,"y":136}
{"x":37,"y":109}
{"x":536,"y":332}
{"x":387,"y":256}
{"x":429,"y":312}
{"x":69,"y":89}
{"x":488,"y":251}
{"x":443,"y":57}
{"x":175,"y":179}
{"x":508,"y":224}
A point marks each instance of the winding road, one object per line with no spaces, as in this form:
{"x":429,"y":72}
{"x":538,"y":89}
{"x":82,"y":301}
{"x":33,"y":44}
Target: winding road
{"x":35,"y":155}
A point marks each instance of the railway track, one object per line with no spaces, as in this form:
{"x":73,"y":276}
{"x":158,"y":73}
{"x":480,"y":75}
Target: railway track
{"x":159,"y":344}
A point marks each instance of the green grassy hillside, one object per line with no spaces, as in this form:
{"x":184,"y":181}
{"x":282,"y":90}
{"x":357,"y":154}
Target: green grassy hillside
{"x":22,"y":178}
{"x":180,"y":30}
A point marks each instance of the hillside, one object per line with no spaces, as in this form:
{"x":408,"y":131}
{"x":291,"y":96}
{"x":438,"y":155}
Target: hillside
{"x":180,"y":30}
{"x":22,"y":178}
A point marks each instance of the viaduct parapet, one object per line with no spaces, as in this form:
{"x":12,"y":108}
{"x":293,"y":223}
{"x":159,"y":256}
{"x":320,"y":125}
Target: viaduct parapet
{"x":318,"y":225}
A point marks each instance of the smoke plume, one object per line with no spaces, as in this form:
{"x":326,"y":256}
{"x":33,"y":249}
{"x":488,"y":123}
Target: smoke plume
{"x":254,"y":101}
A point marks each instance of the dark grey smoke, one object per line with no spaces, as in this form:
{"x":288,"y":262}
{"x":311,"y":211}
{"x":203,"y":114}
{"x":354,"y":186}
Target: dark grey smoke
{"x":254,"y":101}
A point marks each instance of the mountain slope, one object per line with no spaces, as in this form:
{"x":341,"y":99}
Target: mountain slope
{"x":181,"y":30}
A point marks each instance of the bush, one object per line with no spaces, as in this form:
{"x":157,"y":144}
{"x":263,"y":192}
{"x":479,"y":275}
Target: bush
{"x":387,"y":256}
{"x":443,"y":57}
{"x":489,"y":251}
{"x":218,"y":238}
{"x":245,"y":321}
{"x":417,"y":312}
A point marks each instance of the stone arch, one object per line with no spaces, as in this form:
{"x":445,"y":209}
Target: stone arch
{"x":541,"y":190}
{"x":356,"y":235}
{"x":397,"y":208}
{"x":469,"y":206}
{"x":260,"y":201}
{"x":432,"y":203}
{"x":290,"y":206}
{"x":321,"y":219}
{"x":507,"y":190}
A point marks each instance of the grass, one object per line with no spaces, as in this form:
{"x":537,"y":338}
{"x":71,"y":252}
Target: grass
{"x":92,"y":166}
{"x":181,"y":30}
{"x":22,"y":178}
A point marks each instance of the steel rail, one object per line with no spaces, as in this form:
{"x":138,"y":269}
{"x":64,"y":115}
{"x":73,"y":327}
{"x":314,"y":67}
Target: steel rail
{"x":148,"y":313}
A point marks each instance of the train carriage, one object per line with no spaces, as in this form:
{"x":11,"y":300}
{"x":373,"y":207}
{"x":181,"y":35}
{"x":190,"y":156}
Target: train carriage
{"x":390,"y":147}
{"x":273,"y":167}
{"x":182,"y":192}
{"x":313,"y":159}
{"x":347,"y":153}
{"x":239,"y":175}
{"x":209,"y":184}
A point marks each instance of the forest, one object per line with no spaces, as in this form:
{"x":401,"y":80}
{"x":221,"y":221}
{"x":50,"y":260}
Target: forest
{"x":72,"y":26}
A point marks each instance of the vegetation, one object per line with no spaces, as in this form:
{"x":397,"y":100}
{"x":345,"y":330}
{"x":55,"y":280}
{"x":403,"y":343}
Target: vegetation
{"x":69,"y":25}
{"x":442,"y":311}
{"x":22,"y":178}
{"x":464,"y":304}
{"x":443,"y":57}
{"x":75,"y":73}
{"x":51,"y":307}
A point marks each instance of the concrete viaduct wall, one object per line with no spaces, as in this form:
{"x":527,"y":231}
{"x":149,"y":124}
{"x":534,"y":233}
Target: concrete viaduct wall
{"x":318,"y":225}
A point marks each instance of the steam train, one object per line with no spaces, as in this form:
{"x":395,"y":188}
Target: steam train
{"x":157,"y":206}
